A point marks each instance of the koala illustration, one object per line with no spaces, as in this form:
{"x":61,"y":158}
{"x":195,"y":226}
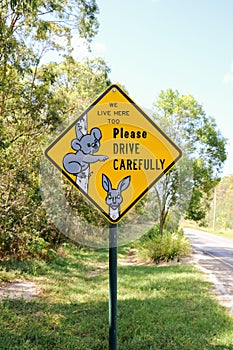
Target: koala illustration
{"x":85,"y":146}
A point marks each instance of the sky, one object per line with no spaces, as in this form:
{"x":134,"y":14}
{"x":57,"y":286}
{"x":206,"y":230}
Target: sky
{"x":153,"y":45}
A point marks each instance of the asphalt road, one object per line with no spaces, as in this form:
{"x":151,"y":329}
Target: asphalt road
{"x":214,"y":255}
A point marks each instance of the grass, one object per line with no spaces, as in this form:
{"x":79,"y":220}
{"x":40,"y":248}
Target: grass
{"x":219,"y":232}
{"x":222,"y":233}
{"x":167,"y":308}
{"x":163,"y":248}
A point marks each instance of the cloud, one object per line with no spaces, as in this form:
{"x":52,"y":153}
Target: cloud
{"x":81,"y":51}
{"x":80,"y":48}
{"x":229,"y":76}
{"x":99,"y":48}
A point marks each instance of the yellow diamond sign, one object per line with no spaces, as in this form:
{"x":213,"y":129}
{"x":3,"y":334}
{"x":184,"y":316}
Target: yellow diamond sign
{"x":113,"y":153}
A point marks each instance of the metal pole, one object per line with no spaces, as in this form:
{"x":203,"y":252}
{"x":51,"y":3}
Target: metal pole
{"x":113,"y":287}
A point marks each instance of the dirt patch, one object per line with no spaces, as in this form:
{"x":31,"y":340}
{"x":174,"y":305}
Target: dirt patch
{"x":21,"y":289}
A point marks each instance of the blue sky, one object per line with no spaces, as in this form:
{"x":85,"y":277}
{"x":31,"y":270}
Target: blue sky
{"x":186,"y":45}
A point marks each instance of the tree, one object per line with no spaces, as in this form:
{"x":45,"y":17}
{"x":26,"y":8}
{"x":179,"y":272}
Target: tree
{"x":34,"y":99}
{"x":221,"y":217}
{"x":203,"y":146}
{"x":57,"y":95}
{"x":31,"y":28}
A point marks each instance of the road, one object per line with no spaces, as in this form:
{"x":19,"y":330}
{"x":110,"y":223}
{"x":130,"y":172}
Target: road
{"x":214,"y":255}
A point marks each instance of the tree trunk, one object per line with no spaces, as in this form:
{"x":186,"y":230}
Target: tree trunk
{"x":83,"y":182}
{"x":162,"y":220}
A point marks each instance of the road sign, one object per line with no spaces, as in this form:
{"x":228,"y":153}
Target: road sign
{"x":113,"y":153}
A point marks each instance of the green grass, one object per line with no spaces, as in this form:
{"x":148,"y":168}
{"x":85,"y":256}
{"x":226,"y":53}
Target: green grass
{"x":219,"y":232}
{"x":167,"y":308}
{"x":222,"y":233}
{"x":158,"y":248}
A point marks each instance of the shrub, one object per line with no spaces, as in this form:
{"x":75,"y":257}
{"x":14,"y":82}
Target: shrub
{"x":163,"y":248}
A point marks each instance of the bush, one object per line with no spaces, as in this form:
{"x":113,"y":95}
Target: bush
{"x":163,"y":248}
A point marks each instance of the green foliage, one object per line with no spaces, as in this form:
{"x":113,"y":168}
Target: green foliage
{"x":56,"y":95}
{"x":28,"y":30}
{"x":162,"y":308}
{"x":64,"y":15}
{"x":27,"y":35}
{"x":224,"y":200}
{"x":34,"y":100}
{"x":163,"y":248}
{"x":189,"y":186}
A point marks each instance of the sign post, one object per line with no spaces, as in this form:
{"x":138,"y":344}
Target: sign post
{"x":113,"y":154}
{"x":113,"y":286}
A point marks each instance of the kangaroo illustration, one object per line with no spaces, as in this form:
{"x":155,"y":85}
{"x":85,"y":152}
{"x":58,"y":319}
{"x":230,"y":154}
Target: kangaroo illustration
{"x":114,"y":195}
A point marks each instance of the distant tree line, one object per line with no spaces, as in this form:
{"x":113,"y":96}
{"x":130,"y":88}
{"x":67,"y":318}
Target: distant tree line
{"x":220,"y":215}
{"x":187,"y":190}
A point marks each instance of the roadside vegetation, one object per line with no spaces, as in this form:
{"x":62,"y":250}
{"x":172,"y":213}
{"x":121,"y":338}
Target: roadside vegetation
{"x":166,"y":307}
{"x":219,"y":218}
{"x":220,"y":214}
{"x":169,"y":246}
{"x":223,"y":233}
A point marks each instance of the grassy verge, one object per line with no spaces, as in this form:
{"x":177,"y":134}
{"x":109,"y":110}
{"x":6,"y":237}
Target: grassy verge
{"x":222,"y":232}
{"x":167,"y":308}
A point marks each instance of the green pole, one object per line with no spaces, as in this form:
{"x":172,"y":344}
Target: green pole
{"x":113,"y":287}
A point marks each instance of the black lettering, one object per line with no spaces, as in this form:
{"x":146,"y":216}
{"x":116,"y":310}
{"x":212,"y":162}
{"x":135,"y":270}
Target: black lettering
{"x":122,"y":166}
{"x":151,"y":165}
{"x":121,"y":113}
{"x":140,"y":163}
{"x":132,"y":134}
{"x":146,"y":164}
{"x":115,"y":167}
{"x":122,"y":148}
{"x":115,"y":132}
{"x":122,"y":133}
{"x":103,"y":112}
{"x":115,"y":148}
{"x":131,"y":147}
{"x":162,"y":162}
{"x":129,"y":164}
{"x":135,"y":164}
